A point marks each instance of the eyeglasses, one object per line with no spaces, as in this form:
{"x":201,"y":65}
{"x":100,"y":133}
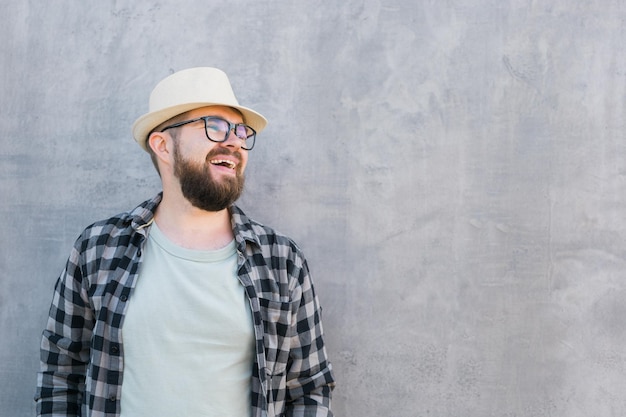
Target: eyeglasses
{"x":218,"y":129}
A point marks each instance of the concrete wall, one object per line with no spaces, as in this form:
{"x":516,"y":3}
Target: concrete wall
{"x":455,"y":172}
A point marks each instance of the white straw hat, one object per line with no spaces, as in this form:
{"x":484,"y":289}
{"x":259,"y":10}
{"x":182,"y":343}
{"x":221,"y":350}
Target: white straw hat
{"x":187,"y":90}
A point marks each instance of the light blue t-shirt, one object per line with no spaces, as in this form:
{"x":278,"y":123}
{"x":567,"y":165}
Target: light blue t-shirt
{"x":188,"y":336}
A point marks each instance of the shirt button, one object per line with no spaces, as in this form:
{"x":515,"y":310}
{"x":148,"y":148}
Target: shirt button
{"x":112,"y":398}
{"x":115,"y":349}
{"x":123,"y":298}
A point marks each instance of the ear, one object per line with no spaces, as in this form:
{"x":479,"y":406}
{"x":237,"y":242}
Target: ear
{"x":159,"y":142}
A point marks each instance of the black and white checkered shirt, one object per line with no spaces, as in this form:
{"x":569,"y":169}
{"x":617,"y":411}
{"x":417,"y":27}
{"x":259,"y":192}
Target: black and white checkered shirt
{"x":82,"y":354}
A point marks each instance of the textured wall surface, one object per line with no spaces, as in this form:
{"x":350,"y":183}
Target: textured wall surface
{"x":455,"y":172}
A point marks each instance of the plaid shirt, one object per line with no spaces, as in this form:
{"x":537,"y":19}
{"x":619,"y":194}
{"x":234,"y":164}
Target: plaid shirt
{"x":82,"y":355}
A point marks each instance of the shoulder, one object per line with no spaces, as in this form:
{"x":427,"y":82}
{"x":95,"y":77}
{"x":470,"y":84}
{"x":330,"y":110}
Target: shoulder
{"x":278,"y":251}
{"x":117,"y":229}
{"x":259,"y":233}
{"x":113,"y":226}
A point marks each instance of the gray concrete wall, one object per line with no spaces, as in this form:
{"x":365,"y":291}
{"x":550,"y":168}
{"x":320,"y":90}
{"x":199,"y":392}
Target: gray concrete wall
{"x":455,"y":172}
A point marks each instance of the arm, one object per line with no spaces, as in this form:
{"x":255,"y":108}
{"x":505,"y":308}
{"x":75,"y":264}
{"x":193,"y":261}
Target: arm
{"x":309,"y":376}
{"x":65,"y":346}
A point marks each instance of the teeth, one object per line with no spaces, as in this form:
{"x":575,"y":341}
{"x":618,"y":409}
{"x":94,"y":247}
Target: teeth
{"x":230,"y":164}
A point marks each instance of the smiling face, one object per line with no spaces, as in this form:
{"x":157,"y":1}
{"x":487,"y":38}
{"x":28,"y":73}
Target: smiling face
{"x":211,"y":175}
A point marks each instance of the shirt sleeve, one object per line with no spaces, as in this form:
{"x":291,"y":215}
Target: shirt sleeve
{"x":310,"y":379}
{"x":65,"y":345}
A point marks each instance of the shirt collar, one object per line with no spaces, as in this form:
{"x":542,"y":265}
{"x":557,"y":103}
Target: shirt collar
{"x":243,"y":228}
{"x":143,"y":215}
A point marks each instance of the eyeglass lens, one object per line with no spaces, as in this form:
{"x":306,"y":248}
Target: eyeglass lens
{"x":218,"y":130}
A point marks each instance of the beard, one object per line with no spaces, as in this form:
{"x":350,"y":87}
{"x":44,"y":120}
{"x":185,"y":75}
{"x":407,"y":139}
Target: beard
{"x":200,"y":188}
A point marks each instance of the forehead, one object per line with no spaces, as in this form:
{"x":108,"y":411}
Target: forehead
{"x":227,"y":113}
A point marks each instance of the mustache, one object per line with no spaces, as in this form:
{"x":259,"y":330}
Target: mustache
{"x":221,"y":151}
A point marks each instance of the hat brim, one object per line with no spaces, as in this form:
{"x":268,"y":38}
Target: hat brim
{"x":146,"y":123}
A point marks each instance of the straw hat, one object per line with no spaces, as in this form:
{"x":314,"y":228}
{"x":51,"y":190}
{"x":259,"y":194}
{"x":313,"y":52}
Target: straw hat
{"x":187,"y":90}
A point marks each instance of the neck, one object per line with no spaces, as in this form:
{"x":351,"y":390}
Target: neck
{"x":191,"y":227}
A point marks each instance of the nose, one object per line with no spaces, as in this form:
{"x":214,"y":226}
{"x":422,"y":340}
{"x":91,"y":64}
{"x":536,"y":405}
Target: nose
{"x":233,"y":140}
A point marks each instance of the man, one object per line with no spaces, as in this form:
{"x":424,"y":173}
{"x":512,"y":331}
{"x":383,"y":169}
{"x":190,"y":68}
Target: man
{"x":184,"y":306}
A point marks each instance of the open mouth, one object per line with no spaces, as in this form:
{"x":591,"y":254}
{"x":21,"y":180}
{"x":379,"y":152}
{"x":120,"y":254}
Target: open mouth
{"x":224,"y":163}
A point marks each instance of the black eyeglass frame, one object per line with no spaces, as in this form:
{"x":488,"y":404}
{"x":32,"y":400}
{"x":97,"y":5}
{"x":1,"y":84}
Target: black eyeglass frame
{"x":232,"y":127}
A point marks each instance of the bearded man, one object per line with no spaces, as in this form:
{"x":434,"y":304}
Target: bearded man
{"x":184,"y":306}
